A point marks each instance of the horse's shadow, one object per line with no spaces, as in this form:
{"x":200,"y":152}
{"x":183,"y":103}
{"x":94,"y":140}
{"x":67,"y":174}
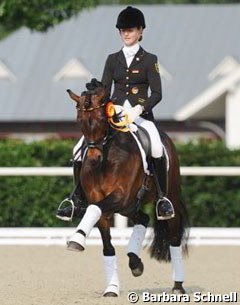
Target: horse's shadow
{"x":189,"y":290}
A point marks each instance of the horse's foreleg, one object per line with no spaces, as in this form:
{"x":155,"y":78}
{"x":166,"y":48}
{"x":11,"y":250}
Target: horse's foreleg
{"x":135,"y":243}
{"x":90,"y":218}
{"x":109,"y":259}
{"x":93,"y":213}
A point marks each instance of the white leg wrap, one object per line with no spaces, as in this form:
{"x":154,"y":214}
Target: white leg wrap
{"x":92,"y":215}
{"x":136,"y":239}
{"x":79,"y":239}
{"x":110,"y":266}
{"x":177,"y":263}
{"x":90,"y":218}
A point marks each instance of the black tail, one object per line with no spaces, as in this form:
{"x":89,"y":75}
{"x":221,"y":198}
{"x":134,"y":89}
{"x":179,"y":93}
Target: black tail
{"x":159,"y":248}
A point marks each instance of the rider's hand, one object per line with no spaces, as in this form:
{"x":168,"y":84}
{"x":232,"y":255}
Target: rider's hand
{"x":133,"y":113}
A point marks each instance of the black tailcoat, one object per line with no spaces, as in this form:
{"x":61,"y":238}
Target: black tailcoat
{"x":133,"y":82}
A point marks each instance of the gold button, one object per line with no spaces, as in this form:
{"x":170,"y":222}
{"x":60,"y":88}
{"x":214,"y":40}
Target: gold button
{"x":127,"y":85}
{"x":127,"y":93}
{"x":135,"y":90}
{"x":127,"y":70}
{"x":127,"y":77}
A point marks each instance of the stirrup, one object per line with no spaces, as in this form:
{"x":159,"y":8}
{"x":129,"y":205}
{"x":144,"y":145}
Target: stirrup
{"x":70,"y":203}
{"x":160,"y":217}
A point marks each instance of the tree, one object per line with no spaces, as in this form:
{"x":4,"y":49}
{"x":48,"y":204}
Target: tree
{"x":39,"y":15}
{"x":135,"y":2}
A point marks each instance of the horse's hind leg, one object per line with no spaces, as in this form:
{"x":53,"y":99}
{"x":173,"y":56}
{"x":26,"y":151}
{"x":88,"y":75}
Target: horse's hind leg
{"x":178,"y":269}
{"x":109,"y":259}
{"x":140,"y":220}
{"x":176,"y":257}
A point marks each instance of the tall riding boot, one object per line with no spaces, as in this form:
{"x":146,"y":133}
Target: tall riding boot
{"x":75,"y":204}
{"x":164,"y":207}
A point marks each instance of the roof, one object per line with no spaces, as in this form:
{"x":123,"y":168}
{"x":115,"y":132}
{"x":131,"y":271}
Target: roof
{"x":189,"y":40}
{"x":201,"y":106}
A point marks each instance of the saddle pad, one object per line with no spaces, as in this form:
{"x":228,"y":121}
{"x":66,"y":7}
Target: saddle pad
{"x":133,"y":128}
{"x":143,"y":154}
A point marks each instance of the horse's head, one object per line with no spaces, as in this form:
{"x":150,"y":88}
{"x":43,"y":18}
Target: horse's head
{"x":91,"y":114}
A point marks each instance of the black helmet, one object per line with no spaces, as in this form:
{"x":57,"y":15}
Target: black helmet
{"x":130,"y":17}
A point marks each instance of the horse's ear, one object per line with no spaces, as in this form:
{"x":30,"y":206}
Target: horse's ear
{"x":73,"y":96}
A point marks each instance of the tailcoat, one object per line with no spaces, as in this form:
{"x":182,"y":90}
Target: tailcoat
{"x":133,"y":83}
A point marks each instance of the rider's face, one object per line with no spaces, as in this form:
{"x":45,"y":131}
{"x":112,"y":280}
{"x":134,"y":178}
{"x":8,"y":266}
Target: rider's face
{"x":130,"y":36}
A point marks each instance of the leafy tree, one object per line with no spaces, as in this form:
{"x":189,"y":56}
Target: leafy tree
{"x":130,"y":2}
{"x":172,"y":1}
{"x":39,"y":15}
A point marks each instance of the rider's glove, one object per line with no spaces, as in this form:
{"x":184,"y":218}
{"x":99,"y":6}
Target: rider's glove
{"x":133,"y":113}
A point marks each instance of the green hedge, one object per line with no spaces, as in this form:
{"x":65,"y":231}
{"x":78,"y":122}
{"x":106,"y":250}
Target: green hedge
{"x":32,"y":201}
{"x":211,"y":201}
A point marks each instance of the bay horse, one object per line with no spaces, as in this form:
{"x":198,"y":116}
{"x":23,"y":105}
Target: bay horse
{"x":112,"y":176}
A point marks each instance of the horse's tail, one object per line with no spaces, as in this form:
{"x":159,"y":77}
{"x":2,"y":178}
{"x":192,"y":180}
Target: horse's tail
{"x":159,"y":248}
{"x":174,"y":231}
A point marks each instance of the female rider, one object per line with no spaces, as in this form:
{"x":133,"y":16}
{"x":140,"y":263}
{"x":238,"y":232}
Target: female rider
{"x":133,"y":71}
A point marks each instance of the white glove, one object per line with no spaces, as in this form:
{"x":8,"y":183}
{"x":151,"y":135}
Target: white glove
{"x":133,"y":113}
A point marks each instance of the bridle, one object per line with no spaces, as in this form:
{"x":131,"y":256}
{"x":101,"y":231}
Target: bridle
{"x":100,"y":143}
{"x":83,"y":109}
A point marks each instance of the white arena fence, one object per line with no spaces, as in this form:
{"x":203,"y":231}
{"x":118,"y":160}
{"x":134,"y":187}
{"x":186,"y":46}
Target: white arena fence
{"x":120,"y":237}
{"x":67,"y":171}
{"x":120,"y":233}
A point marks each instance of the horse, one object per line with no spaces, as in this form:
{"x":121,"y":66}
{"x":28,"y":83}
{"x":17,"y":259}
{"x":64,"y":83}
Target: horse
{"x":112,"y":177}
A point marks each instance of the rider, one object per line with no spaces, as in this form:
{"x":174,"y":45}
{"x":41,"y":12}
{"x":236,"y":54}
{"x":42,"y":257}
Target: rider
{"x":133,"y":71}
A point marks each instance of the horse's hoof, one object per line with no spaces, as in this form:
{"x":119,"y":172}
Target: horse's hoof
{"x":76,"y":242}
{"x":111,"y":291}
{"x":73,"y":246}
{"x":178,"y":288}
{"x":139,"y":270}
{"x":110,"y":294}
{"x":135,"y":264}
{"x":178,"y":291}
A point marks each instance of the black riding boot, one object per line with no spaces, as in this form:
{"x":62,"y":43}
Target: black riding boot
{"x":164,"y":207}
{"x":75,"y":205}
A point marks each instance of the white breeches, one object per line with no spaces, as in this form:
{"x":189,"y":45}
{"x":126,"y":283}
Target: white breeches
{"x":149,"y":126}
{"x":156,"y":143}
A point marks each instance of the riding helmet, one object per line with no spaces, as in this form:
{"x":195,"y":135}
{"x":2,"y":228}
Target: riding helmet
{"x":130,"y":17}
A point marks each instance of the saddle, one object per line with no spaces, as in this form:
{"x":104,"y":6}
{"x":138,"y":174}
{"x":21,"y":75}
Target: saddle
{"x":144,"y":139}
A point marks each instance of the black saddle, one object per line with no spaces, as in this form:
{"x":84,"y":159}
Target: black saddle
{"x":144,"y":139}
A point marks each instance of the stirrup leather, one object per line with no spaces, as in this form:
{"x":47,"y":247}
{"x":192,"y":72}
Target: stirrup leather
{"x":71,"y":204}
